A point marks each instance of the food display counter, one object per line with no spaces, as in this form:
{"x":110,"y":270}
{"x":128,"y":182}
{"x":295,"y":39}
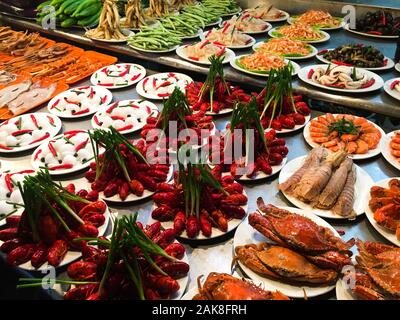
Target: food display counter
{"x":205,"y":254}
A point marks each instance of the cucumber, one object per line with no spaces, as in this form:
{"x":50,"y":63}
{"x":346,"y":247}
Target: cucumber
{"x":89,"y":21}
{"x":62,"y":17}
{"x":90,"y":11}
{"x":67,"y":23}
{"x":56,"y":2}
{"x":66,"y":4}
{"x":72,"y":7}
{"x":42,"y":5}
{"x":84,"y":4}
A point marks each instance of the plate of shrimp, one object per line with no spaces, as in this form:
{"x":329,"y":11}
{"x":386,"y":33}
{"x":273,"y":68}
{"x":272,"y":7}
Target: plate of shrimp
{"x":359,"y":137}
{"x":391,"y":148}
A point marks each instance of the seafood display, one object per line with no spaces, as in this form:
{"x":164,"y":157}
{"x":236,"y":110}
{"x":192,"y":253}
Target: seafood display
{"x":232,"y":39}
{"x":267,"y":153}
{"x":395,"y":145}
{"x":378,"y":23}
{"x":122,"y":172}
{"x":377,"y":276}
{"x":198,"y":201}
{"x":16,"y":43}
{"x":160,"y":86}
{"x":299,"y":31}
{"x":342,"y":78}
{"x":325,"y":181}
{"x":66,"y":153}
{"x":79,"y":102}
{"x":246,"y":23}
{"x":222,"y":286}
{"x":202,"y":51}
{"x":215,"y":95}
{"x":355,"y":55}
{"x":318,"y":18}
{"x":7,"y":77}
{"x":118,"y":75}
{"x":384,"y":204}
{"x":109,"y":27}
{"x":125,"y":116}
{"x":285,"y":47}
{"x":27,"y":131}
{"x":53,"y":217}
{"x":267,"y":13}
{"x":355,"y":135}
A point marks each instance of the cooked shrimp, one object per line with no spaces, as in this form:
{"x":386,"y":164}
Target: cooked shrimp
{"x":330,"y":143}
{"x":362,"y":147}
{"x":372,"y":139}
{"x":351,"y":147}
{"x":349,"y":137}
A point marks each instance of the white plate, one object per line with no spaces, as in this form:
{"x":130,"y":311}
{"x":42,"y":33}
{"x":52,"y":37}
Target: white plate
{"x":340,"y":26}
{"x":139,"y":109}
{"x":296,"y":127}
{"x":215,"y":23}
{"x":397,"y":66}
{"x":261,"y":175}
{"x":369,"y":154}
{"x":154,"y":51}
{"x":310,"y":55}
{"x":101,"y":97}
{"x":347,"y":28}
{"x":251,"y":40}
{"x":232,"y":224}
{"x":387,"y":234}
{"x":303,"y":75}
{"x":116,"y":199}
{"x":246,"y":234}
{"x":232,"y":13}
{"x":180,"y":76}
{"x":283,"y":18}
{"x":126,"y":32}
{"x":325,"y":34}
{"x":361,"y":187}
{"x":71,"y":256}
{"x":222,"y":112}
{"x":36,"y":164}
{"x":4,"y":198}
{"x":228,"y":56}
{"x":394,"y":93}
{"x":268,"y":27}
{"x":194,"y":36}
{"x":138,"y":73}
{"x":389,"y":64}
{"x":296,"y":67}
{"x":385,"y":148}
{"x":42,"y":118}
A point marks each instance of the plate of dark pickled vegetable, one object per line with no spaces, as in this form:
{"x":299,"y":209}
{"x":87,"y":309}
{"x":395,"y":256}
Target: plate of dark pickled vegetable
{"x":356,"y":55}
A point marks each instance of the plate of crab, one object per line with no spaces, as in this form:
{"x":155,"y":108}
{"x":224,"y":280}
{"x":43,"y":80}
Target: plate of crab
{"x":299,"y":262}
{"x":375,"y":275}
{"x":358,"y":136}
{"x":382,"y":208}
{"x":391,"y":148}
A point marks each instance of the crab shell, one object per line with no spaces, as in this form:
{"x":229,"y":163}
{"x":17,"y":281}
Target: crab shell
{"x":222,"y":286}
{"x":283,"y":264}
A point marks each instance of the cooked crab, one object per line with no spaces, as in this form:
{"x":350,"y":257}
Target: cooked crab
{"x":378,"y":275}
{"x":222,"y":286}
{"x":318,"y":244}
{"x":283,"y":264}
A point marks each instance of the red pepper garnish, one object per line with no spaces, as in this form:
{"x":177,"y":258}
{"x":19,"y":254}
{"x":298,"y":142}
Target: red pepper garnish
{"x":163,"y":95}
{"x":55,"y":104}
{"x":81,"y":145}
{"x":323,"y":51}
{"x":144,"y":82}
{"x":394,"y":84}
{"x":51,"y":120}
{"x":194,"y":58}
{"x":83,"y":88}
{"x":383,"y":18}
{"x":2,"y":146}
{"x":91,"y":94}
{"x":310,"y":73}
{"x":135,"y":77}
{"x":171,"y":75}
{"x":83,"y":111}
{"x":71,"y":102}
{"x":220,"y":52}
{"x":368,"y":84}
{"x":52,"y":150}
{"x":41,"y":138}
{"x":205,"y":42}
{"x":127,"y":127}
{"x":248,"y":41}
{"x":62,"y":166}
{"x":123,"y":73}
{"x":72,"y":133}
{"x":23,"y":172}
{"x":340,"y":63}
{"x":96,"y":121}
{"x":377,"y":33}
{"x":34,"y":121}
{"x":117,"y":118}
{"x":385,"y":62}
{"x":218,"y":44}
{"x":164,"y":84}
{"x":104,"y":70}
{"x":19,"y":132}
{"x":104,"y":99}
{"x":112,"y":107}
{"x":148,"y":109}
{"x":106,"y":84}
{"x":226,"y":27}
{"x":154,"y":82}
{"x":37,"y":154}
{"x":7,"y":179}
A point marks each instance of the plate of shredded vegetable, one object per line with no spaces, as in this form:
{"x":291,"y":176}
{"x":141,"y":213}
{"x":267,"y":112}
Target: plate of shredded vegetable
{"x":261,"y":64}
{"x":201,"y":52}
{"x":300,"y":31}
{"x":319,"y":19}
{"x":287,"y":48}
{"x":268,"y":13}
{"x":232,"y":40}
{"x":247,"y":24}
{"x":341,"y":78}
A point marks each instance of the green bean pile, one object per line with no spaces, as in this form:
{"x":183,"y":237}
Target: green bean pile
{"x":221,"y":7}
{"x":157,"y":39}
{"x":182,"y":25}
{"x":201,"y":12}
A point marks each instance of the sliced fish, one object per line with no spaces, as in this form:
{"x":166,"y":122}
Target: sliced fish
{"x":9,"y":93}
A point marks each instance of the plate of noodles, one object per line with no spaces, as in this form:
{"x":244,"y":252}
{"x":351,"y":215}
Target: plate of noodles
{"x":287,"y":48}
{"x":319,"y":19}
{"x":300,"y":31}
